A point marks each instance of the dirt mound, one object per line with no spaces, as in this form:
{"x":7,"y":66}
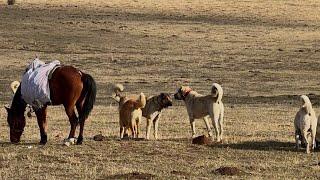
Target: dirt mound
{"x":229,"y":171}
{"x":98,"y":137}
{"x":133,"y":175}
{"x":202,"y":140}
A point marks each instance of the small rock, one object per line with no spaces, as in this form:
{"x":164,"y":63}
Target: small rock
{"x":98,"y":137}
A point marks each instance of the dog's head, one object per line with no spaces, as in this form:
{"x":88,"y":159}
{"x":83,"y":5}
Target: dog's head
{"x":165,"y":100}
{"x":182,"y":93}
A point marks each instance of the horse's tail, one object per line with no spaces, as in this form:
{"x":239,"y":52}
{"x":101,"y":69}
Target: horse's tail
{"x":89,"y":92}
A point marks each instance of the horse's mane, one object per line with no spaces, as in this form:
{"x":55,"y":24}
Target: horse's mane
{"x":18,"y":105}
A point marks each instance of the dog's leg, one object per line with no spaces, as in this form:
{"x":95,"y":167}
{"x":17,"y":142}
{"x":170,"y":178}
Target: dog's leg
{"x":155,"y":126}
{"x":305,"y":139}
{"x":313,"y":134}
{"x":133,"y":132}
{"x":206,"y":121}
{"x":313,"y":137}
{"x":148,"y":128}
{"x":193,"y":127}
{"x":137,"y":126}
{"x":221,"y":122}
{"x":121,"y":132}
{"x":215,"y":122}
{"x":297,"y":137}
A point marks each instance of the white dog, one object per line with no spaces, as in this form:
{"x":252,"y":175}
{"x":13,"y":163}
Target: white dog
{"x":305,"y":123}
{"x":200,"y":106}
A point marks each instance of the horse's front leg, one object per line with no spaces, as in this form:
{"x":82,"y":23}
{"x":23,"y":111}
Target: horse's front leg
{"x":42,"y":122}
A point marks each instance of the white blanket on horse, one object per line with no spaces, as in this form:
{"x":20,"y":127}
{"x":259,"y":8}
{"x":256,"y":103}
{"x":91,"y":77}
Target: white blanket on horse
{"x":35,"y":83}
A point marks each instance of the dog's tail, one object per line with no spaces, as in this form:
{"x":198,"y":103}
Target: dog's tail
{"x":14,"y":86}
{"x":216,"y":91}
{"x":117,"y":89}
{"x":307,"y":103}
{"x":140,"y":102}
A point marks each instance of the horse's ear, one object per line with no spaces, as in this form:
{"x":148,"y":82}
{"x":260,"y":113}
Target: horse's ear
{"x":7,"y":108}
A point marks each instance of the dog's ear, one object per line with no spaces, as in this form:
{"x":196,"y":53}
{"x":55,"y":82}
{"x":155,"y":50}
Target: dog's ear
{"x":7,"y":108}
{"x":185,"y":90}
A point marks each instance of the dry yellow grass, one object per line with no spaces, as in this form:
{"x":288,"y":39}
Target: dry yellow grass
{"x":262,"y":52}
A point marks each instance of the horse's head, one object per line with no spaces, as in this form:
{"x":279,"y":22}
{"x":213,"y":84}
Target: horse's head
{"x":16,"y":122}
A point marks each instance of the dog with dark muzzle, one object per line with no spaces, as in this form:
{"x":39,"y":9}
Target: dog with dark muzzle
{"x":151,"y":111}
{"x":204,"y":106}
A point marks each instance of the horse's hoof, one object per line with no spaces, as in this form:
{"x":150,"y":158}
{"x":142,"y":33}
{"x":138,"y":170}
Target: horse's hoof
{"x":44,"y":139}
{"x":79,"y":140}
{"x":43,"y":142}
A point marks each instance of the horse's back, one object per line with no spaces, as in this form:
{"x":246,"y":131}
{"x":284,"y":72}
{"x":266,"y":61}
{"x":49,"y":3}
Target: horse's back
{"x":65,"y":83}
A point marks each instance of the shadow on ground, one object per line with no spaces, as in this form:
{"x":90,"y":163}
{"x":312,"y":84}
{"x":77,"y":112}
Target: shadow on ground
{"x":260,"y":146}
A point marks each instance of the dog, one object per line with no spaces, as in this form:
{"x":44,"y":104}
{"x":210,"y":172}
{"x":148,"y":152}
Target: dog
{"x":130,"y":115}
{"x":201,"y":106}
{"x":152,"y":110}
{"x":305,"y":123}
{"x":14,"y":86}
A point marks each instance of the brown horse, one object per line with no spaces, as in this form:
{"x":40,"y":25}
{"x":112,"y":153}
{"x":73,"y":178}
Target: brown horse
{"x":69,"y":87}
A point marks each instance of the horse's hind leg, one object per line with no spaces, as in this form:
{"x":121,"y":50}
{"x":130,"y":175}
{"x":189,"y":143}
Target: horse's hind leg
{"x":80,"y":137}
{"x":42,"y":122}
{"x":73,"y":120}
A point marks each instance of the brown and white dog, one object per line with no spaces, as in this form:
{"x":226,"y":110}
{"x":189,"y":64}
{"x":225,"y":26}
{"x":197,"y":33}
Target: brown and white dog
{"x":201,"y":106}
{"x":305,"y":123}
{"x":130,"y":115}
{"x":151,"y":111}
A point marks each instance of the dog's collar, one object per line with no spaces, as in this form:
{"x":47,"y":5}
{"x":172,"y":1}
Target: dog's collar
{"x":186,"y":94}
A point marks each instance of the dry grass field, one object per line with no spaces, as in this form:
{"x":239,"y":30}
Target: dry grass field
{"x":264,"y":53}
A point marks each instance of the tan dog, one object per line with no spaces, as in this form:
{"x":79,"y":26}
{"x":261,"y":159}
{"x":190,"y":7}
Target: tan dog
{"x":200,"y":106}
{"x":130,"y":115}
{"x":14,"y":86}
{"x":305,"y":123}
{"x":151,"y":111}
